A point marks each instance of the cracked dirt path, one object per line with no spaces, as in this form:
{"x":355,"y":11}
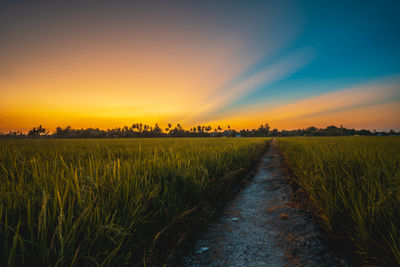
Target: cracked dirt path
{"x":261,"y":227}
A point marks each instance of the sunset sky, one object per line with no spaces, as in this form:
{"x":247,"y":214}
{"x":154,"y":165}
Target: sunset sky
{"x":108,"y":64}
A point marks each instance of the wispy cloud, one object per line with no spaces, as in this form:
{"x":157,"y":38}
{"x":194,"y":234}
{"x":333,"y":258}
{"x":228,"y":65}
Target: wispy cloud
{"x":266,"y":76}
{"x":374,"y":103}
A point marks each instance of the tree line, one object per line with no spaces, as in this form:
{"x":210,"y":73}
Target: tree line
{"x":144,"y":130}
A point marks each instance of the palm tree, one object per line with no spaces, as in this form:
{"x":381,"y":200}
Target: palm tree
{"x":37,"y":131}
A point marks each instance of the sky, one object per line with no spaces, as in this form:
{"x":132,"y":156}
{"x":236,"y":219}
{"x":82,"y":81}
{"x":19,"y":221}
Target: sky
{"x":292,"y":64}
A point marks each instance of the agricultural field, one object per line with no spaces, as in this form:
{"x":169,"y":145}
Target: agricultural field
{"x":135,"y":201}
{"x":353,"y":184}
{"x":110,"y":201}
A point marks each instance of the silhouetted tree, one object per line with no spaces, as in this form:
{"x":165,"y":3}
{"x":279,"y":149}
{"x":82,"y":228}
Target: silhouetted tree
{"x":144,"y":130}
{"x":36,"y":131}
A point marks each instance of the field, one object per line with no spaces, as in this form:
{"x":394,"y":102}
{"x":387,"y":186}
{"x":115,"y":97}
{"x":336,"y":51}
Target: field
{"x":354,"y":185}
{"x":134,"y":201}
{"x":110,"y":202}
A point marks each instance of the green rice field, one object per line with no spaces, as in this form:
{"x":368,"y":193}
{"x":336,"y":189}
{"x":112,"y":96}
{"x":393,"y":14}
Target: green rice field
{"x":90,"y":202}
{"x":354,"y":185}
{"x":106,"y":201}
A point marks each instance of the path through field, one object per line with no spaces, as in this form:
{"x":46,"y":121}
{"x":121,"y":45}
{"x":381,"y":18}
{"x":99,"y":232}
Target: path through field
{"x":261,"y":227}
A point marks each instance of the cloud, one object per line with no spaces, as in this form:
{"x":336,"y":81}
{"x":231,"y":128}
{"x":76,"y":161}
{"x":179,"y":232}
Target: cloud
{"x":366,"y":105}
{"x":264,"y":77}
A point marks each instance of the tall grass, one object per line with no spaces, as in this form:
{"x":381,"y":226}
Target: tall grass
{"x":354,"y":183}
{"x":102,"y":202}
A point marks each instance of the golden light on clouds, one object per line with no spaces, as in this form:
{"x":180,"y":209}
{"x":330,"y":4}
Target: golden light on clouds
{"x":366,"y":106}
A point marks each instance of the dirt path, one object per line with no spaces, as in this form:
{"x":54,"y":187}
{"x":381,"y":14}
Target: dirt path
{"x":261,"y":227}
